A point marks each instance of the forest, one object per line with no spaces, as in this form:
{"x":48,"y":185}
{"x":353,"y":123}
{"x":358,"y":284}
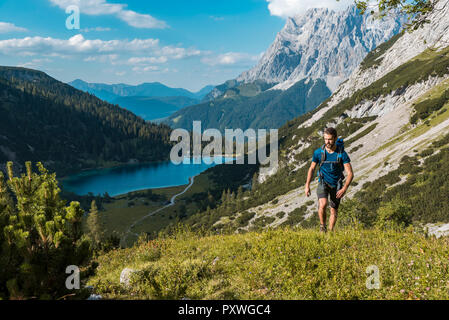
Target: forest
{"x":42,"y":119}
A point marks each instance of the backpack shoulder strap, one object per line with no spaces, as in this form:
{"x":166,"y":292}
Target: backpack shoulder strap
{"x":323,"y":154}
{"x":340,"y":155}
{"x":323,"y":158}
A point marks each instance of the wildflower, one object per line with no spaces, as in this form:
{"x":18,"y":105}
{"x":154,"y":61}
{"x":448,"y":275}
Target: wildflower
{"x":427,"y":288}
{"x":402,"y":291}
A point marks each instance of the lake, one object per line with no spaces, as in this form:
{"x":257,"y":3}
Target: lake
{"x":127,"y":178}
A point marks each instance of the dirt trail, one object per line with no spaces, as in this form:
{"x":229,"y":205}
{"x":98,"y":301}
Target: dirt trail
{"x":172,"y":202}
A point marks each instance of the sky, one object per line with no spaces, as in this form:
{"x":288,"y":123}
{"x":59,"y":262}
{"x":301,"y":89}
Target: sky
{"x":180,"y":43}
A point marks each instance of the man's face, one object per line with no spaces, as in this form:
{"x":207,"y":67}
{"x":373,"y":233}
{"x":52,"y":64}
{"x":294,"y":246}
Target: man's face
{"x":329,"y":140}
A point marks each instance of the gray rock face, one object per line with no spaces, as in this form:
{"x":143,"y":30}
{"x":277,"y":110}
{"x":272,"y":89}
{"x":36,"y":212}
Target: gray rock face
{"x":324,"y":44}
{"x":434,"y":36}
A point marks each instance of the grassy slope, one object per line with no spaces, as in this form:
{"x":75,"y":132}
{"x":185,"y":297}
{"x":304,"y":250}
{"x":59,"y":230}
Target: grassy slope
{"x":280,"y":264}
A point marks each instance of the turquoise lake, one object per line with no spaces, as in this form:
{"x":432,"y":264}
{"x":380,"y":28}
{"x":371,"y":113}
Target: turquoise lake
{"x":127,"y":178}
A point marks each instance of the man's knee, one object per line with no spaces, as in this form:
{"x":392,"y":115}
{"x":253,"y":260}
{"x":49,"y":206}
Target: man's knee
{"x":322,"y":203}
{"x":334,"y":212}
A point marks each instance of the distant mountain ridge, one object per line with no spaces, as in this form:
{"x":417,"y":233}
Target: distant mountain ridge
{"x":252,"y":106}
{"x":153,"y":108}
{"x":151,"y":101}
{"x":153,"y":89}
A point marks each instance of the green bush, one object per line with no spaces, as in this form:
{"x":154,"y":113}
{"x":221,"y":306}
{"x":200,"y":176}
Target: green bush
{"x":243,"y":219}
{"x":426,"y":153}
{"x":40,"y":236}
{"x":425,"y":108}
{"x":280,"y":214}
{"x":396,"y":214}
{"x":262,"y":222}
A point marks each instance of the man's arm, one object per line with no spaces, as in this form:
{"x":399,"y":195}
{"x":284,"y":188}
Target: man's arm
{"x":348,"y":170}
{"x":309,"y":178}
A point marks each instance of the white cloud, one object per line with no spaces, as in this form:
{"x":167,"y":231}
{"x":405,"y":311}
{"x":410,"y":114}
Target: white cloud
{"x":6,"y":27}
{"x":289,"y":8}
{"x":98,"y":29}
{"x":75,"y":45}
{"x":145,"y":69}
{"x":143,"y":60}
{"x":35,"y":63}
{"x":138,"y":20}
{"x":231,"y":58}
{"x":142,"y":52}
{"x":101,"y":7}
{"x":111,"y":58}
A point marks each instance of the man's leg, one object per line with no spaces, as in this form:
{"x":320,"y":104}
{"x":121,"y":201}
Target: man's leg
{"x":322,"y":210}
{"x":333,"y":218}
{"x":322,"y":194}
{"x":334,"y":204}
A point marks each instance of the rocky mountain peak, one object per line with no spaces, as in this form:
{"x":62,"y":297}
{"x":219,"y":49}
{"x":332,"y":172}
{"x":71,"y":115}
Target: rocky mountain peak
{"x":322,"y":43}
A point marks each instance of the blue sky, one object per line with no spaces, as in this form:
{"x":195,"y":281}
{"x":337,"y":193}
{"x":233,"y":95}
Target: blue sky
{"x":181,"y":43}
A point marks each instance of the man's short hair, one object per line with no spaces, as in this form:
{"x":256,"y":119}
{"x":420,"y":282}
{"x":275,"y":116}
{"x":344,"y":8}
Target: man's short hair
{"x":331,"y":131}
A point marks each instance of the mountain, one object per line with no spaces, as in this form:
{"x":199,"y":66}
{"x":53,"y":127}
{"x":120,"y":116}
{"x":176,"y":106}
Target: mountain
{"x":393,"y":112}
{"x":250,"y":105}
{"x":153,"y":108}
{"x":154,"y":89}
{"x":42,"y":119}
{"x":204,"y":91}
{"x":151,"y":101}
{"x":323,"y":44}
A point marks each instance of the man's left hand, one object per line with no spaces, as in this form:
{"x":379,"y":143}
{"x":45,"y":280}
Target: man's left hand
{"x":341,"y":193}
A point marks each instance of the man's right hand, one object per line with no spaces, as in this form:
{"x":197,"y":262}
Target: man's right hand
{"x":307,"y":191}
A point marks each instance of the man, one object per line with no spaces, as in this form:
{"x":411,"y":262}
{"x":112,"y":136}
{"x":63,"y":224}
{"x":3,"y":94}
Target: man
{"x":330,"y":177}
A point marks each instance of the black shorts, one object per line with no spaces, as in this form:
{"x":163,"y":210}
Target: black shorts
{"x":326,"y":191}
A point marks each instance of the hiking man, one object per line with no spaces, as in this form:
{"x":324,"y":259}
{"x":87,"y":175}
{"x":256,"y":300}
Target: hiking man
{"x":332,"y":161}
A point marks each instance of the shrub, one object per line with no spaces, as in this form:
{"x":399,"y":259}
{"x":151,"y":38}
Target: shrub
{"x":396,"y":214}
{"x":280,"y":215}
{"x":425,"y":108}
{"x":40,"y":236}
{"x":243,"y":219}
{"x":426,"y":153}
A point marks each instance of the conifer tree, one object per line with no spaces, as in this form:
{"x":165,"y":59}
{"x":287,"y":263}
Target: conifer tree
{"x":254,"y":181}
{"x":94,"y":226}
{"x":240,"y":193}
{"x":41,"y":236}
{"x":223,"y":197}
